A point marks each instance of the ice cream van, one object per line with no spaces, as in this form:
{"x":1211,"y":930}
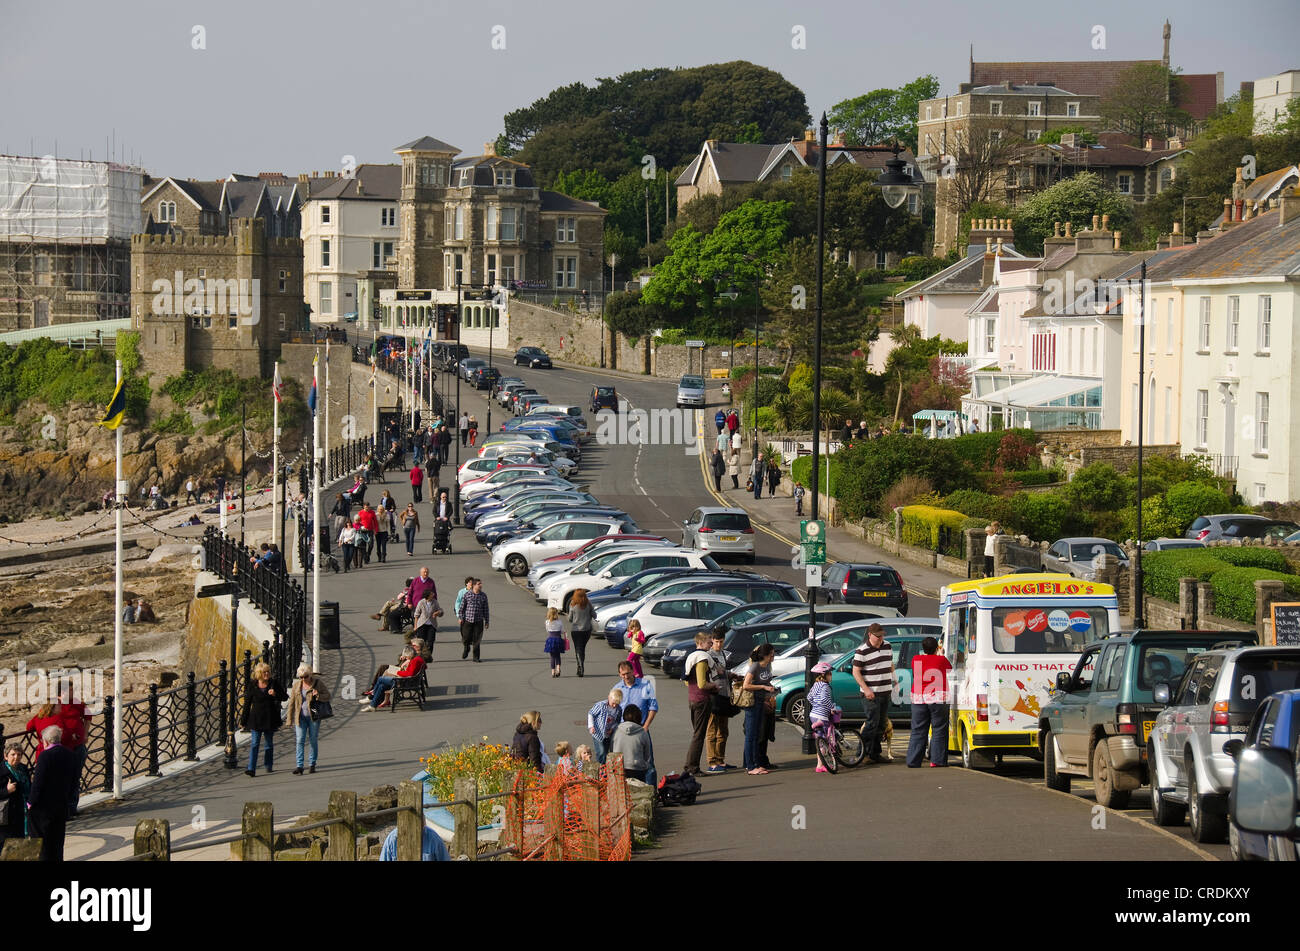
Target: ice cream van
{"x":1007,"y":638}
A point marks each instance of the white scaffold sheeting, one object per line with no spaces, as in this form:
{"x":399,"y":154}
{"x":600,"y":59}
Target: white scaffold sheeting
{"x":64,"y":199}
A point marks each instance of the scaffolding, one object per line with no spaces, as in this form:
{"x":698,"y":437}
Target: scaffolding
{"x":65,"y":240}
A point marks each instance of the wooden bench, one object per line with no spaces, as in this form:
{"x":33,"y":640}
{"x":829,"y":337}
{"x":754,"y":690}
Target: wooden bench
{"x":413,"y":688}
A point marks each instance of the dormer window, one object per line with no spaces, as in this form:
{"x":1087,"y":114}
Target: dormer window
{"x":505,"y":178}
{"x":464,"y":177}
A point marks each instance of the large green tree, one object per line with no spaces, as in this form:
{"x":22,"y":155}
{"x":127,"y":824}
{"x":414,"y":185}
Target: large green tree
{"x":789,"y":295}
{"x":1075,"y":200}
{"x":883,"y":114}
{"x":1144,"y":101}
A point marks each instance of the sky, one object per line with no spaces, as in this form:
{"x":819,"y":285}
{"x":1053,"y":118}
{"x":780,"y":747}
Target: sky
{"x":202,"y":89}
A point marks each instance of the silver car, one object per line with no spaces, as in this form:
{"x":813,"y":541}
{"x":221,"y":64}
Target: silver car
{"x":719,"y":531}
{"x":690,"y":391}
{"x":1211,"y":704}
{"x":1078,"y":556}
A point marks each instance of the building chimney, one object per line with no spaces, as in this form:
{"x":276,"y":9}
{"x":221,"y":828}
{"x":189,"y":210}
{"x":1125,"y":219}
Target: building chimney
{"x":809,"y":135}
{"x":1056,"y":229}
{"x":489,"y":148}
{"x":1290,"y":208}
{"x":361,"y":191}
{"x":1227,"y":215}
{"x":839,"y":138}
{"x":712,"y":144}
{"x":1150,"y":143}
{"x":990,"y":261}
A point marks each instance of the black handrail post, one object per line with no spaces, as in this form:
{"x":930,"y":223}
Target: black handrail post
{"x":154,"y":769}
{"x":223,"y":688}
{"x":191,"y":719}
{"x":110,"y":711}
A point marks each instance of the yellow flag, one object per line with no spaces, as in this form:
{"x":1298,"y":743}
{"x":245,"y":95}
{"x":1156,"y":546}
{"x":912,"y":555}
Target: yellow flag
{"x":116,"y":410}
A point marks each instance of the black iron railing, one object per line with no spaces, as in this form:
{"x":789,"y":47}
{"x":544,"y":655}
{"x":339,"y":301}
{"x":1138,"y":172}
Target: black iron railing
{"x":271,"y":590}
{"x":346,"y":459}
{"x":167,"y":726}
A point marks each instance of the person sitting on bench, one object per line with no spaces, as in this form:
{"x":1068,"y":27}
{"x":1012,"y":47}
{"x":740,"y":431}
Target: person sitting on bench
{"x":411,"y":666}
{"x":394,"y":612}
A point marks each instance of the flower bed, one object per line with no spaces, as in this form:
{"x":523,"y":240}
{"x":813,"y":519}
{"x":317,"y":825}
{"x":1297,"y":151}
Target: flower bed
{"x":490,"y":764}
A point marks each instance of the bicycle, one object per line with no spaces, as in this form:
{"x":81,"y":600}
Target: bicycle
{"x":835,"y":745}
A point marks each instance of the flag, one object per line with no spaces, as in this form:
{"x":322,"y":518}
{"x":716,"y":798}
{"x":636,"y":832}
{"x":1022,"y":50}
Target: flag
{"x":327,"y":350}
{"x":116,"y":409}
{"x":275,"y":384}
{"x":311,"y":396}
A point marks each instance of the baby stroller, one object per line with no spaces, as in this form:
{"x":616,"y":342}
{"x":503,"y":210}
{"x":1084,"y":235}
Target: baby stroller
{"x":442,"y":536}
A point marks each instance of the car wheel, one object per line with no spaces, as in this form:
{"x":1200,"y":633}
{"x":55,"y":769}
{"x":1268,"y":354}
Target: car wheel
{"x":1234,"y":845}
{"x":1205,"y":826}
{"x":1103,"y":779}
{"x":1051,"y":778}
{"x":797,"y":709}
{"x":1163,"y":811}
{"x":516,"y":566}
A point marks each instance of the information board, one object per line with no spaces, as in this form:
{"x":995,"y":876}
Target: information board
{"x":1286,"y":623}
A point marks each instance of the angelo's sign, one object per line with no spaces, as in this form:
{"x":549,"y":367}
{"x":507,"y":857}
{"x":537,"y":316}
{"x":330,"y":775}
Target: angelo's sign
{"x":1047,"y":587}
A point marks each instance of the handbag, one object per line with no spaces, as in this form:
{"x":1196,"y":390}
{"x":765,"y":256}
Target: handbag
{"x":566,"y":642}
{"x":749,"y":485}
{"x":320,"y":709}
{"x":741,"y":697}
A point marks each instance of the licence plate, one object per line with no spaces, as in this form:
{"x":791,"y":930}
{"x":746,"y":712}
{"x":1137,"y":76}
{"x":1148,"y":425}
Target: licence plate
{"x":874,"y":594}
{"x":1146,"y":729}
{"x":727,"y":538}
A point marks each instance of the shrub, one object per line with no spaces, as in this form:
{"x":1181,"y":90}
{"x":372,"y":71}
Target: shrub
{"x":905,"y":492}
{"x":934,"y":528}
{"x":981,"y":506}
{"x":1188,"y":501}
{"x":1097,"y":488}
{"x":1022,"y":477}
{"x":801,"y":378}
{"x":1017,"y":449}
{"x":490,"y":764}
{"x":980,"y":450}
{"x":916,"y":267}
{"x":766,"y":419}
{"x":870,"y":469}
{"x":801,"y":472}
{"x":1230,"y":572}
{"x":1162,"y":569}
{"x":178,"y":423}
{"x":1043,"y":516}
{"x":1269,"y":558}
{"x":1234,"y":590}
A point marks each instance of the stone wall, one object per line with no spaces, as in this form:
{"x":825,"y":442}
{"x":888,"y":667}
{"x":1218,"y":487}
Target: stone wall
{"x":348,"y":380}
{"x":674,"y":360}
{"x":573,"y":338}
{"x":1123,"y":457}
{"x":206,"y":641}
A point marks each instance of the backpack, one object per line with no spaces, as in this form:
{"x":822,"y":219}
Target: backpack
{"x":678,"y":789}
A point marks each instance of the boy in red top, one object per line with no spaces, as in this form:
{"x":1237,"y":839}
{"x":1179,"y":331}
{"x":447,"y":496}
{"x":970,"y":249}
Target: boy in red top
{"x":930,"y":698}
{"x":366,"y":521}
{"x":72,"y":717}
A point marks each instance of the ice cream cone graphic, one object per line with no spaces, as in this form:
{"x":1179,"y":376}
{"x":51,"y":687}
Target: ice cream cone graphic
{"x":1013,"y":701}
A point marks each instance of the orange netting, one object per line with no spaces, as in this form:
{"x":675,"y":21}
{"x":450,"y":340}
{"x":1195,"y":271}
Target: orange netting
{"x":570,"y":817}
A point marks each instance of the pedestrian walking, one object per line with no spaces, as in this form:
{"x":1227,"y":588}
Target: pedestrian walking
{"x":873,"y":669}
{"x":473,"y":429}
{"x":427,"y":612}
{"x":52,"y":783}
{"x":527,"y":745}
{"x":580,"y":621}
{"x":773,"y":478}
{"x":733,"y":468}
{"x":733,"y":422}
{"x":433,"y":467}
{"x":191,"y":491}
{"x":410,"y":519}
{"x":261,"y":715}
{"x":991,"y":532}
{"x":699,"y":692}
{"x":473,"y":620}
{"x":636,"y":638}
{"x":602,"y":719}
{"x":417,"y":483}
{"x":721,"y":706}
{"x":757,"y":469}
{"x":929,"y":705}
{"x":556,"y":644}
{"x":798,"y":499}
{"x":719,"y":467}
{"x":720,"y":420}
{"x":348,"y":543}
{"x":15,"y":791}
{"x":632,"y":741}
{"x":723,"y":442}
{"x":305,"y":713}
{"x":463,"y":425}
{"x":758,"y":683}
{"x":383,"y":532}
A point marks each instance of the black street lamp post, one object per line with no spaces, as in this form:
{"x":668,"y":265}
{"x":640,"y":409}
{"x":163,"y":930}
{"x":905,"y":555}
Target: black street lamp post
{"x":1139,"y":615}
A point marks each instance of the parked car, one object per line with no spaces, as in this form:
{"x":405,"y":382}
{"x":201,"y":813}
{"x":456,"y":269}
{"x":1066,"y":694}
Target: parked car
{"x":604,"y":397}
{"x":838,"y":638}
{"x":501,"y":384}
{"x":668,"y":612}
{"x":514,"y":556}
{"x":622,"y":542}
{"x":517,"y":394}
{"x":593,"y":562}
{"x":743,"y":614}
{"x":690,"y":391}
{"x":1262,"y":807}
{"x":1172,"y":544}
{"x":1209,"y":528}
{"x":534,"y":357}
{"x":493,"y":535}
{"x":507,"y":390}
{"x":719,"y":530}
{"x":840,"y":613}
{"x":484,"y":378}
{"x":622,"y":567}
{"x":502,"y":477}
{"x":737,"y":644}
{"x":468,"y":366}
{"x":1212,"y":704}
{"x":791,"y":701}
{"x":865,"y":583}
{"x":613,"y":619}
{"x":1077,"y":557}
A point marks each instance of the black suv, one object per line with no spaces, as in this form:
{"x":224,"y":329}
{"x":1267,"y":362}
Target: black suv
{"x":847,"y":583}
{"x":485,"y":377}
{"x":604,"y":397}
{"x":534,"y":357}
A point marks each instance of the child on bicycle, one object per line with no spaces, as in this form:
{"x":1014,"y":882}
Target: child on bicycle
{"x":820,"y":702}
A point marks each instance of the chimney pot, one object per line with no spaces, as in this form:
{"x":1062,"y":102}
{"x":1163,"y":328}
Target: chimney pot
{"x":1239,"y":171}
{"x":1105,"y":222}
{"x":1056,"y":229}
{"x":1176,"y":231}
{"x":1095,"y":221}
{"x":1067,"y":230}
{"x":1150,"y":143}
{"x":1117,"y":236}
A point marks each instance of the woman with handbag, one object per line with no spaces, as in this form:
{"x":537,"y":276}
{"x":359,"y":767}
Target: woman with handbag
{"x":262,"y":714}
{"x":309,"y":703}
{"x":752,"y":696}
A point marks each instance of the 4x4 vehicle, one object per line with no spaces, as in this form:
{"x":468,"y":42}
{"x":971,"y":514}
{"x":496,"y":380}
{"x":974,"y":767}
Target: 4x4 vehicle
{"x":847,"y":583}
{"x":1097,"y":722}
{"x":604,"y":397}
{"x":484,"y":377}
{"x":1210,"y":705}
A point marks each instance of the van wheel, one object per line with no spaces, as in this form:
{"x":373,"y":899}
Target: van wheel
{"x":969,"y":758}
{"x":1051,"y":778}
{"x":1205,"y":826}
{"x":1103,"y":779}
{"x":1163,"y":811}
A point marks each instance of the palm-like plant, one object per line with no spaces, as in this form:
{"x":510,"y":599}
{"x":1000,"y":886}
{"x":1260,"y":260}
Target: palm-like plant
{"x":790,"y":412}
{"x":836,"y":406}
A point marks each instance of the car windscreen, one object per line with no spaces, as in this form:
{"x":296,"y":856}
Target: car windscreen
{"x":727,"y":521}
{"x":1165,"y":662}
{"x":692,"y":383}
{"x":1086,"y":551}
{"x":1059,"y":629}
{"x":871,"y":578}
{"x":1259,"y":675}
{"x":604,"y":391}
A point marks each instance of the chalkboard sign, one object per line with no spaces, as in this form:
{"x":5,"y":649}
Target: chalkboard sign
{"x":1286,"y":623}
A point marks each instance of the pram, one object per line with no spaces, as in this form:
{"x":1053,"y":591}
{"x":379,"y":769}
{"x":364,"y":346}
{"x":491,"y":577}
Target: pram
{"x":442,"y":536}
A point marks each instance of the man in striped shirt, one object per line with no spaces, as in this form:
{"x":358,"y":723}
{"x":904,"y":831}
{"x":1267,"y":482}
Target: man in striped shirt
{"x":873,"y":669}
{"x":473,"y":619}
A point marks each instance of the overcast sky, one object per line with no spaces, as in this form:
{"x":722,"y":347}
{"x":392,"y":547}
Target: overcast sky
{"x":294,"y":87}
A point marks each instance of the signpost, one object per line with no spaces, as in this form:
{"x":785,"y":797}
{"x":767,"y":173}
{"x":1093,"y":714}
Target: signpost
{"x":812,"y":538}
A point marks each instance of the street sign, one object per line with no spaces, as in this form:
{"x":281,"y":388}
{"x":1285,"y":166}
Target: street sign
{"x":698,"y":344}
{"x":812,"y":537}
{"x":217,"y":590}
{"x":813,"y":576}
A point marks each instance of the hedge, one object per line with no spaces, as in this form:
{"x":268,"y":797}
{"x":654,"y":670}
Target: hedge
{"x":801,"y":472}
{"x":934,"y":528}
{"x":1025,"y":476}
{"x":1230,"y":572}
{"x":983,"y":506}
